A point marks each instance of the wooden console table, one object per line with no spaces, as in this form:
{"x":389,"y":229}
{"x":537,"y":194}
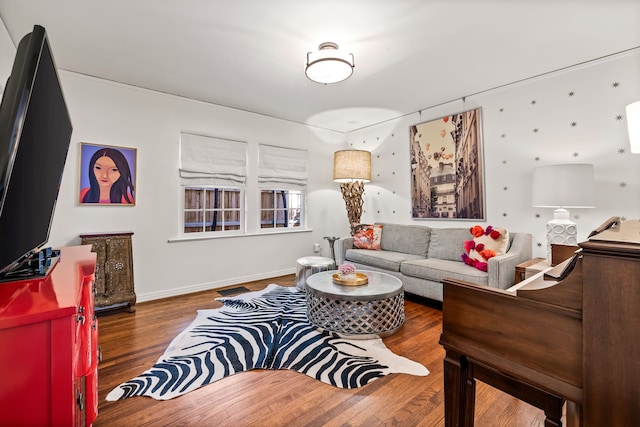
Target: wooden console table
{"x":114,"y":269}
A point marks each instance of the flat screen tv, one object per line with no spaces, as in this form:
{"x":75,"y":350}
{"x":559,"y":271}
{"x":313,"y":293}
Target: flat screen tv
{"x":35,"y":131}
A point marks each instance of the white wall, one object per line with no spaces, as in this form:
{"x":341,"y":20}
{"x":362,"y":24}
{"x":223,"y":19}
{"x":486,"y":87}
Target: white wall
{"x":7,"y":52}
{"x":512,"y":149}
{"x":107,"y":113}
{"x":112,"y":114}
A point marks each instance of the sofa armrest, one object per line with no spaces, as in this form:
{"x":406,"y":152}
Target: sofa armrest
{"x":341,"y":247}
{"x":502,"y":268}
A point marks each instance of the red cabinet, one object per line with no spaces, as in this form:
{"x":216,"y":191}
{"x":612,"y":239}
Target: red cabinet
{"x":49,"y":345}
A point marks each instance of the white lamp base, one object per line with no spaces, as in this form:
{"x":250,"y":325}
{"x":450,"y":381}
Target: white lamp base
{"x":561,"y":230}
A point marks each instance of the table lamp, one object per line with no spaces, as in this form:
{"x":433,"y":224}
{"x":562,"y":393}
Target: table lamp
{"x":633,"y":126}
{"x":562,"y":186}
{"x":352,"y":168}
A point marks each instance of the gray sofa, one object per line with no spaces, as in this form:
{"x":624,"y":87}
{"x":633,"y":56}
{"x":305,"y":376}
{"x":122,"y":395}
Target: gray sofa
{"x":422,"y":256}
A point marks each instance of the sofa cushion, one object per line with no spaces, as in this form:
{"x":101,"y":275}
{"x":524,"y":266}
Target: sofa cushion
{"x":410,"y":239}
{"x":486,"y":244}
{"x":445,"y":243}
{"x":438,"y":269}
{"x":367,"y":236}
{"x":387,"y":260}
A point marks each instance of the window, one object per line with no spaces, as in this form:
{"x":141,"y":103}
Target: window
{"x":213,"y":175}
{"x":280,"y":208}
{"x":282,"y":178}
{"x":209,"y":209}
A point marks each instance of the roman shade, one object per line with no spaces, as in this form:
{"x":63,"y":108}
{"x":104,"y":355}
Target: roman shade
{"x":282,"y":168}
{"x":206,"y":160}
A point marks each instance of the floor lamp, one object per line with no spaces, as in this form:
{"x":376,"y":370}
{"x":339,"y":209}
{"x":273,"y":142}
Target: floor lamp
{"x":352,"y":168}
{"x":561,"y":187}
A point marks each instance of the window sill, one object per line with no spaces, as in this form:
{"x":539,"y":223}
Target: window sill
{"x":187,"y":238}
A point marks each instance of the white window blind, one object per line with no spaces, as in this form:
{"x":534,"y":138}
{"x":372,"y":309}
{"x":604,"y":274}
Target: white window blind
{"x":205,"y":160}
{"x":282,"y":168}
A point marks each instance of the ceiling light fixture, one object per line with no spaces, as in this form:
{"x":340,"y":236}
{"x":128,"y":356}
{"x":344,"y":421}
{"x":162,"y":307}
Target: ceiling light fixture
{"x":328,"y":64}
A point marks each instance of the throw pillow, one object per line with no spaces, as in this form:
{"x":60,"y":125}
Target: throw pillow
{"x":486,"y":244}
{"x":367,"y":236}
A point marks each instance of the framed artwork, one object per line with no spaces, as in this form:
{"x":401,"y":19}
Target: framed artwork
{"x":447,"y":171}
{"x":107,"y":175}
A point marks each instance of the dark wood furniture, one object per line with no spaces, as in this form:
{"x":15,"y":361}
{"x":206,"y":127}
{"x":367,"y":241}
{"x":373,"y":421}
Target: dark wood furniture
{"x":49,"y":345}
{"x":521,"y":269}
{"x":560,"y":253}
{"x":573,"y":337}
{"x":114,"y":269}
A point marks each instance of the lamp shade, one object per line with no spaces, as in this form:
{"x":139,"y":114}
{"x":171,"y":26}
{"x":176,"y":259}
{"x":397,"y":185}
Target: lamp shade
{"x":563,"y":186}
{"x":328,"y":64}
{"x":633,"y":125}
{"x":349,"y":165}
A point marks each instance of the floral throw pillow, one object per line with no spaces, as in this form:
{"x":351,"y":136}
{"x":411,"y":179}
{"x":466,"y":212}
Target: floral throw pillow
{"x":487,"y":243}
{"x":367,"y":236}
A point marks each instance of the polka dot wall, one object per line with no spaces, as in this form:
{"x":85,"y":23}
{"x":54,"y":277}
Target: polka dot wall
{"x":386,"y":199}
{"x":576,"y":115}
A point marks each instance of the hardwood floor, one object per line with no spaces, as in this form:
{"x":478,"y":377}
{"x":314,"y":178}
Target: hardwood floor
{"x":132,"y":342}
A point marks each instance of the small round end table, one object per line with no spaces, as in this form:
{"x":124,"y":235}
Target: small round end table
{"x":308,"y":265}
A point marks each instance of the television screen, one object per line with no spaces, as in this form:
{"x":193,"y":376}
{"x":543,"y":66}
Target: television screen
{"x":35,"y":131}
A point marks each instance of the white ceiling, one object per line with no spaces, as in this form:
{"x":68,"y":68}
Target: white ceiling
{"x":250,"y":54}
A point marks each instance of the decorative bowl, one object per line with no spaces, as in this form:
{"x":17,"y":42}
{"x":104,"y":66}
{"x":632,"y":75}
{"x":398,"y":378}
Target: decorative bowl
{"x":357,"y":280}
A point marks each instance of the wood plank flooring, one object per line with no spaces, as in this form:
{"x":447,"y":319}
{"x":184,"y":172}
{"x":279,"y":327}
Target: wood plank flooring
{"x":132,"y":342}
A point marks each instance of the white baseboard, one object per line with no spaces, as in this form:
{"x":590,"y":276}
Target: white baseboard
{"x":150,"y":296}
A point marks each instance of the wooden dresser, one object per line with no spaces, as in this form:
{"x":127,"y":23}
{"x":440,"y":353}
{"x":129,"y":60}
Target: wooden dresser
{"x":114,"y":269}
{"x":49,"y":345}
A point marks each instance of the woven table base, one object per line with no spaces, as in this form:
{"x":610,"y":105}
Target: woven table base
{"x":374,"y":317}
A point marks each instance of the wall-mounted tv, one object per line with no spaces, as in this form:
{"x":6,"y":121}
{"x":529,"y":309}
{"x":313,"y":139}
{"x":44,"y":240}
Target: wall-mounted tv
{"x":35,"y":131}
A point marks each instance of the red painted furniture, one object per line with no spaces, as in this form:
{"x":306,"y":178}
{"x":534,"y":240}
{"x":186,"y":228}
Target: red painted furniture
{"x":49,"y":345}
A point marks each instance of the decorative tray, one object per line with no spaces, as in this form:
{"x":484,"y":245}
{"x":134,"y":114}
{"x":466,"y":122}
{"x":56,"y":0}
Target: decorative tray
{"x":360,"y":279}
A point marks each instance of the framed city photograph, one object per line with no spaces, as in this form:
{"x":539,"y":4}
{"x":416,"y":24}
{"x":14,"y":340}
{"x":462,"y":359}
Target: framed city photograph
{"x":107,"y":175}
{"x":447,"y":171}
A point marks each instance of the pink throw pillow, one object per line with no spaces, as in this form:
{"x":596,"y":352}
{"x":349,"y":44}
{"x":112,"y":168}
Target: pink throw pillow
{"x":367,"y":236}
{"x":486,"y":244}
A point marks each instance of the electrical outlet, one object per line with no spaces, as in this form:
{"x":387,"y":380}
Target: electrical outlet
{"x":316,"y":247}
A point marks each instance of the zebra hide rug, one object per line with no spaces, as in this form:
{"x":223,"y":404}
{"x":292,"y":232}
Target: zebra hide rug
{"x":267,"y":329}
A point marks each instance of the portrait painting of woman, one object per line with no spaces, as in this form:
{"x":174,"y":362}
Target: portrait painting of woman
{"x":107,"y":175}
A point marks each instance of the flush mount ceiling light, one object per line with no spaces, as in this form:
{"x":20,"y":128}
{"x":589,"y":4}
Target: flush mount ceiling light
{"x":328,"y":64}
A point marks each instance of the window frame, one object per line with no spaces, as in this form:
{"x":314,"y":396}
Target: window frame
{"x":286,"y":209}
{"x":241,"y":230}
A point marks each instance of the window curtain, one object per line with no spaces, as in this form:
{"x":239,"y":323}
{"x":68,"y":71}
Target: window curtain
{"x":205,"y":160}
{"x":282,"y":168}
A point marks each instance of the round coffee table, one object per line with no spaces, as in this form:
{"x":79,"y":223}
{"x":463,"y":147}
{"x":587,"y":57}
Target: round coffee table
{"x":374,"y":309}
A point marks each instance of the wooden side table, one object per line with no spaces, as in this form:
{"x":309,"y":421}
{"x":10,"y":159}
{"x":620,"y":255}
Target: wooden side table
{"x":561,"y":253}
{"x":529,"y":268}
{"x":114,"y":269}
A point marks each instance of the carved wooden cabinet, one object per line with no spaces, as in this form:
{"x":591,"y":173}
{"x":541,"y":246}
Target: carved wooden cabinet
{"x":114,"y":269}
